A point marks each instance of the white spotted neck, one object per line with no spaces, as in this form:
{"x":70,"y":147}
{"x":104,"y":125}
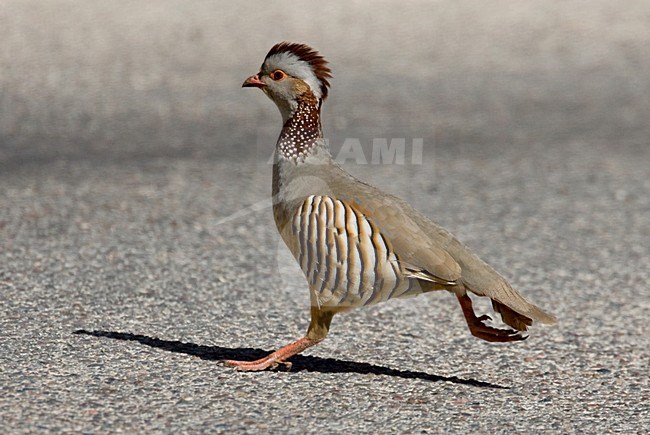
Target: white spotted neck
{"x":301,"y":134}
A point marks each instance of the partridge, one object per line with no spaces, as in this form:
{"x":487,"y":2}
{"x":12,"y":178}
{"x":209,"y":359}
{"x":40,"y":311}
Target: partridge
{"x":357,"y":245}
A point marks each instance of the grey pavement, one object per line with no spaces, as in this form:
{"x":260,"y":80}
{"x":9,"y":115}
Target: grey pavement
{"x":136,"y":250}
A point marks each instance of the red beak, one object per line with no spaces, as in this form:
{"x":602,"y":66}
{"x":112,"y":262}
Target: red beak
{"x":253,"y":82}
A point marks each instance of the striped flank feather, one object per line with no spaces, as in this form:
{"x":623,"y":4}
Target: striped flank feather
{"x":347,"y":261}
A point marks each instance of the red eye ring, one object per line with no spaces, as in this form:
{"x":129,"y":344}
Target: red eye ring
{"x":278,"y":75}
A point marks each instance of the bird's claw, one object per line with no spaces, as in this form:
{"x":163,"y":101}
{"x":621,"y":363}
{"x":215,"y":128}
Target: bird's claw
{"x":262,"y":364}
{"x":489,"y":333}
{"x":480,"y":330}
{"x":248,"y":366}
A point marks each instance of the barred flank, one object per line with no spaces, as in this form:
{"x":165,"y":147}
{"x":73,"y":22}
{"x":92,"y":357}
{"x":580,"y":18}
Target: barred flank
{"x":345,"y":258}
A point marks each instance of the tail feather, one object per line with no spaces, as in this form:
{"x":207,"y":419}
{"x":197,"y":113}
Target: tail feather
{"x":511,"y":317}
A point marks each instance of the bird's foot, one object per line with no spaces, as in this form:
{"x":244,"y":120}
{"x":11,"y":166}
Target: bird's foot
{"x":273,"y":360}
{"x":485,"y":332}
{"x":480,"y":330}
{"x":261,"y":364}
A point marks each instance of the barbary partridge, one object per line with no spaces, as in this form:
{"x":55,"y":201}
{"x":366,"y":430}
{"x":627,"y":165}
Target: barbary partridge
{"x":357,"y":245}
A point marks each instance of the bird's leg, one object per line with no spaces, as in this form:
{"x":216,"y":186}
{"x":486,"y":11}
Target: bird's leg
{"x":318,"y":329}
{"x":480,"y":329}
{"x":274,"y":359}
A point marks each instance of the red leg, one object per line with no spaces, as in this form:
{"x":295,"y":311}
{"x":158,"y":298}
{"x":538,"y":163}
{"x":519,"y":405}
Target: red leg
{"x":278,"y":357}
{"x":483,"y":331}
{"x":317,"y":331}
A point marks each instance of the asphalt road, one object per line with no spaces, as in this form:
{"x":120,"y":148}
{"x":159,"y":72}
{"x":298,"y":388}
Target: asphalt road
{"x":136,"y":250}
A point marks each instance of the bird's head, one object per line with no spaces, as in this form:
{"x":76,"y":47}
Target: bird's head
{"x":290,"y":73}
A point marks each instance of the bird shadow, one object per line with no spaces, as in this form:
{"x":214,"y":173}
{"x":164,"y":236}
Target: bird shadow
{"x":299,"y":362}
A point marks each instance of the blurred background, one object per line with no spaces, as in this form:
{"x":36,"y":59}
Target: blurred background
{"x":132,"y":79}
